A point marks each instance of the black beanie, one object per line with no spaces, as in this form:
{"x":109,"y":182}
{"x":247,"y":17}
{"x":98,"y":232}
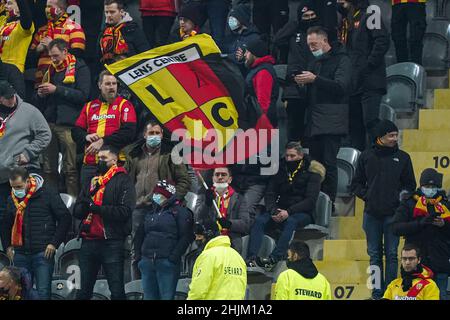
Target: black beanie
{"x":305,"y":5}
{"x":432,"y":177}
{"x":258,"y":48}
{"x":242,"y":13}
{"x":195,"y":12}
{"x":384,"y":127}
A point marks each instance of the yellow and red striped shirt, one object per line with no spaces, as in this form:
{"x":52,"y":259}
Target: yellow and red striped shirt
{"x":104,"y":119}
{"x":65,"y":28}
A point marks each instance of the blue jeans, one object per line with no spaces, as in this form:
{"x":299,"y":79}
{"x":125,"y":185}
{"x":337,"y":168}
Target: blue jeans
{"x":264,"y":221}
{"x":441,"y":280}
{"x":375,"y":229}
{"x":217,"y":11}
{"x":159,"y":278}
{"x":40,"y":269}
{"x":110,"y":255}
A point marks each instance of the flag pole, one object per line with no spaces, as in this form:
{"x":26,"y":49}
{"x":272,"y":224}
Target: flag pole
{"x":206,"y":188}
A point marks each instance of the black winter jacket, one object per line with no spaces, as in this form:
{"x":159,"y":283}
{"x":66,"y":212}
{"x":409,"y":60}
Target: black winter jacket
{"x":433,"y":241}
{"x":299,"y":57}
{"x":366,"y":49}
{"x":64,"y":106}
{"x":302,"y":194}
{"x":134,"y":38}
{"x":381,"y":174}
{"x":119,"y":201}
{"x":46,"y":221}
{"x":328,"y":94}
{"x":165,"y":233}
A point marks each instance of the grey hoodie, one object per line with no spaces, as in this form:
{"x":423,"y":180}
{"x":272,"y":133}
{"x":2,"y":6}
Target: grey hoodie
{"x":26,"y":132}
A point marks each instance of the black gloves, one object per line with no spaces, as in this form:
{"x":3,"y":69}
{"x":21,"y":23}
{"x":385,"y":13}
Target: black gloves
{"x":226,"y":224}
{"x":428,"y":220}
{"x":89,"y":205}
{"x":209,"y":197}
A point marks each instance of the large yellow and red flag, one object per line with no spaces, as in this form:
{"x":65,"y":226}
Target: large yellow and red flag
{"x":187,"y":85}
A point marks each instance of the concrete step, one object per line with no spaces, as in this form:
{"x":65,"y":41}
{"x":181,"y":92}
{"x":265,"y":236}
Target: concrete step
{"x":425,"y":140}
{"x":346,"y":228}
{"x":438,"y":119}
{"x":441,"y":99}
{"x":344,"y":271}
{"x":350,"y":291}
{"x":335,"y":250}
{"x":437,"y":160}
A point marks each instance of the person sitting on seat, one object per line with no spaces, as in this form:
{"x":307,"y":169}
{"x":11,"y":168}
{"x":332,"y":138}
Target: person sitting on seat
{"x":290,"y":201}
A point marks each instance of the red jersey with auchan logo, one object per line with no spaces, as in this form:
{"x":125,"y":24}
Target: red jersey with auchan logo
{"x":104,"y":119}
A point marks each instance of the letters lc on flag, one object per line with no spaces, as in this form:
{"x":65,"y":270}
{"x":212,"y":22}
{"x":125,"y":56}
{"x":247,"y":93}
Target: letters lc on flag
{"x":187,"y":85}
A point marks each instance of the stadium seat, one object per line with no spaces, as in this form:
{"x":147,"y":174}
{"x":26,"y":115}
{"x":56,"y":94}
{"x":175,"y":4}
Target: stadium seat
{"x":4,"y":260}
{"x":266,"y":249}
{"x":68,"y":200}
{"x":322,"y":215}
{"x":387,"y":113}
{"x":182,"y":289}
{"x":63,"y":290}
{"x":101,"y":290}
{"x":346,"y":162}
{"x":58,"y":254}
{"x":60,"y":162}
{"x":192,"y":202}
{"x":134,"y":291}
{"x":406,"y":87}
{"x":436,"y":47}
{"x":69,"y":258}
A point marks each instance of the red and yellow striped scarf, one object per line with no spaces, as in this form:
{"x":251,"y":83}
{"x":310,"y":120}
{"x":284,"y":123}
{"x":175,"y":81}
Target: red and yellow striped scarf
{"x":16,"y":234}
{"x":6,"y":31}
{"x":97,"y":188}
{"x":223,"y":202}
{"x":50,"y":32}
{"x":112,"y":43}
{"x":420,"y":210}
{"x":347,"y":26}
{"x":68,"y":64}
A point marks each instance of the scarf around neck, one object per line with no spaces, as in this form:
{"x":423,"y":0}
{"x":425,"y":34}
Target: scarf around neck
{"x":17,"y":230}
{"x":68,"y":65}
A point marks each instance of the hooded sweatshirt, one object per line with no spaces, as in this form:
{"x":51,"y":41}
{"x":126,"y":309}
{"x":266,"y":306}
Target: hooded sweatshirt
{"x":302,"y":281}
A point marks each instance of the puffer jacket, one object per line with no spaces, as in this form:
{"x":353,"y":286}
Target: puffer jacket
{"x":46,"y":220}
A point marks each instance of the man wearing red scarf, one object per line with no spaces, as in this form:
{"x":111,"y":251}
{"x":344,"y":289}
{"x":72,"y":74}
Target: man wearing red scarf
{"x":105,"y":208}
{"x":62,"y":94}
{"x":232,"y":215}
{"x":423,"y":219}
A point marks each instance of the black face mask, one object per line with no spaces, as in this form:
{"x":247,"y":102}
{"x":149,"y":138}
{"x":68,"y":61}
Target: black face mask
{"x":304,"y":25}
{"x":199,"y":243}
{"x":342,"y":10}
{"x":102,"y":167}
{"x":292,"y":165}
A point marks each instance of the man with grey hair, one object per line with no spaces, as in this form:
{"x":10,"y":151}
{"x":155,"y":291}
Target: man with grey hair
{"x":290,"y":201}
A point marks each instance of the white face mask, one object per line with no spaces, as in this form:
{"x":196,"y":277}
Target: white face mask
{"x":233,"y":23}
{"x":317,"y":53}
{"x":220,"y":187}
{"x":429,"y":192}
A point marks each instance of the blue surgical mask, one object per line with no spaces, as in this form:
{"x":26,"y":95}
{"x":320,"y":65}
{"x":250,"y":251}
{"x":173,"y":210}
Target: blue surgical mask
{"x":153,"y":141}
{"x":317,"y":53}
{"x":429,"y":192}
{"x":158,"y":198}
{"x":233,"y":23}
{"x":20,"y":193}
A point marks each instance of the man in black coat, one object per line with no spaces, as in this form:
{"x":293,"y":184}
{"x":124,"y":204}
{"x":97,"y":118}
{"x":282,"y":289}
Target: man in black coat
{"x":121,"y":37}
{"x":35,"y":224}
{"x":327,"y":84}
{"x":366,"y":45}
{"x":61,"y":97}
{"x":290,"y":202}
{"x":105,"y":209}
{"x":382,"y":173}
{"x":423,"y":218}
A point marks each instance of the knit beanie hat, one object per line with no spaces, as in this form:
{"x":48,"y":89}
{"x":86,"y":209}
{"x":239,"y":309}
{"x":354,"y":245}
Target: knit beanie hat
{"x":384,"y":127}
{"x":305,"y":5}
{"x":242,"y":13}
{"x":165,"y":188}
{"x":430,"y":176}
{"x":258,"y":48}
{"x":195,"y":12}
